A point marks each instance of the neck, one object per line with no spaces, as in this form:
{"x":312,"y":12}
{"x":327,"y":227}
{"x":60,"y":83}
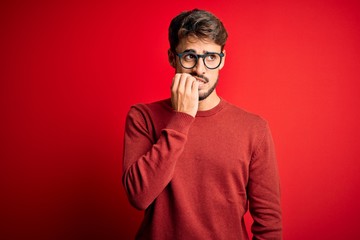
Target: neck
{"x":210,"y":102}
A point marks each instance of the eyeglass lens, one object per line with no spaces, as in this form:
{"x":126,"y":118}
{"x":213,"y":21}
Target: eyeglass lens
{"x":211,"y":60}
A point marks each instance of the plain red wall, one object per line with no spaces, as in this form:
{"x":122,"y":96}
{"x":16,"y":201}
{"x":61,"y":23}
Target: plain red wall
{"x":71,"y":69}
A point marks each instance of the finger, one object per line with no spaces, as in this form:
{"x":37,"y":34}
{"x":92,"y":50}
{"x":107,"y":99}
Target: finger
{"x":182,"y":81}
{"x":189,"y":83}
{"x":175,"y":82}
{"x":174,"y":88}
{"x":195,"y":89}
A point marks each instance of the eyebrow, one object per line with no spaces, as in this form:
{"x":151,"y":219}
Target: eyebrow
{"x":193,"y":51}
{"x":189,"y":50}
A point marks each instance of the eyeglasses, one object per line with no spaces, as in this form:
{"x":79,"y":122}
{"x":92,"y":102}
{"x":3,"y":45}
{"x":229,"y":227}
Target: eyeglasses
{"x":212,"y":60}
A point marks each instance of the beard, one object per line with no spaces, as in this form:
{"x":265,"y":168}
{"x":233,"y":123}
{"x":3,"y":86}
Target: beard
{"x":204,"y":95}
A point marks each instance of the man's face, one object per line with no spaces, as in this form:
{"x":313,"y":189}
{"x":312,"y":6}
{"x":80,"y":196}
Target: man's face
{"x":207,"y":77}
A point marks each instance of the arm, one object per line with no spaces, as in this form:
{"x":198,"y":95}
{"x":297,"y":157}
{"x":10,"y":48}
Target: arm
{"x":264,"y":190}
{"x":149,"y":166}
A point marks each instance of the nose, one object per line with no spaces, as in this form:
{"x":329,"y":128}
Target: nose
{"x":200,"y":66}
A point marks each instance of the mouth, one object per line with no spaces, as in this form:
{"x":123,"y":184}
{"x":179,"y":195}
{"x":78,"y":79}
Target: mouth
{"x":201,"y":80}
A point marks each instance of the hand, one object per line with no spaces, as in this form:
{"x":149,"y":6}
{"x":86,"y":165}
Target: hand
{"x":185,"y":94}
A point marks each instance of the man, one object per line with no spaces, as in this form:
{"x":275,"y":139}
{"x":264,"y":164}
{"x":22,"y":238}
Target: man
{"x":195,"y":163}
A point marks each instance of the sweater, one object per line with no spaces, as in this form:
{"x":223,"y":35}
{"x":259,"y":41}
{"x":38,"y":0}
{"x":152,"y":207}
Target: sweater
{"x":196,"y":177}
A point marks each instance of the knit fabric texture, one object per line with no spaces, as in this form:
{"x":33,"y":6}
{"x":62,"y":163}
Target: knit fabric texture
{"x":196,"y":177}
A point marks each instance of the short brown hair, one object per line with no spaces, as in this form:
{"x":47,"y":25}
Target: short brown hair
{"x":199,"y":23}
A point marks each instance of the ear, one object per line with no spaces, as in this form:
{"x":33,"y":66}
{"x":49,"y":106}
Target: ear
{"x":171,"y":58}
{"x":223,"y":60}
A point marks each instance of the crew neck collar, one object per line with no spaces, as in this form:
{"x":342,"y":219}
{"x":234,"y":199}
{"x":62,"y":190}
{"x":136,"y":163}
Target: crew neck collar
{"x":212,"y":111}
{"x":205,"y":113}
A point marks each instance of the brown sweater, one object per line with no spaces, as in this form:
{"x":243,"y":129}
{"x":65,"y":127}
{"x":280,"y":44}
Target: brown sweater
{"x":196,"y":177}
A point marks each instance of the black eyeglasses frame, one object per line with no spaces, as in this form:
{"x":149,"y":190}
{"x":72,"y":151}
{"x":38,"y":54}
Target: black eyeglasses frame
{"x":203,"y":56}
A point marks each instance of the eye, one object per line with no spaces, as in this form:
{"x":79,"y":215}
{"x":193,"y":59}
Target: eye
{"x":189,"y":57}
{"x":211,"y":57}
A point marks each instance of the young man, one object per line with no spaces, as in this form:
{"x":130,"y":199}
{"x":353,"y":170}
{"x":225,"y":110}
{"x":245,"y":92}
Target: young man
{"x":195,"y":163}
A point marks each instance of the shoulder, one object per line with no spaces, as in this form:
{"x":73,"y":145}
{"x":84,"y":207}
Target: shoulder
{"x":252,"y":126}
{"x":152,"y":108}
{"x":161,"y":105}
{"x":153,"y":113}
{"x":245,"y":117}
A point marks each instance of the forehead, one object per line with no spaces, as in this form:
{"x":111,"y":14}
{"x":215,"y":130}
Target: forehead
{"x":198,"y":45}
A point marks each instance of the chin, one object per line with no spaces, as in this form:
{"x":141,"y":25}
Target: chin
{"x":203,"y":96}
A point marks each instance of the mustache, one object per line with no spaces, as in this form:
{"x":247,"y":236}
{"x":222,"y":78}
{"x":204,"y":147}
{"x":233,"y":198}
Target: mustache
{"x":200,"y":76}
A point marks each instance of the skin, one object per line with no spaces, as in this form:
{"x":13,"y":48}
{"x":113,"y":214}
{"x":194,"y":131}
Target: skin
{"x":187,"y":86}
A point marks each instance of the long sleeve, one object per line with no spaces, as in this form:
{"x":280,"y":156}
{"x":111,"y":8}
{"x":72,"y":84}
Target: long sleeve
{"x":148,"y":163}
{"x":264,"y":190}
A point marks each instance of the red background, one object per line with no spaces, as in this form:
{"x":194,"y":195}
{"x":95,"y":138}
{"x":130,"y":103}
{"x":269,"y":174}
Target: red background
{"x":71,"y":70}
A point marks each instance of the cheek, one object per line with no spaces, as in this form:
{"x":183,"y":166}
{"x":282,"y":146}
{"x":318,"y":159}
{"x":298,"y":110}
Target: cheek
{"x":180,"y":69}
{"x":214,"y":75}
{"x":177,"y":67}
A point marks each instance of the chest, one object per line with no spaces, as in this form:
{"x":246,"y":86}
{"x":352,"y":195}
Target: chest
{"x":215,"y":151}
